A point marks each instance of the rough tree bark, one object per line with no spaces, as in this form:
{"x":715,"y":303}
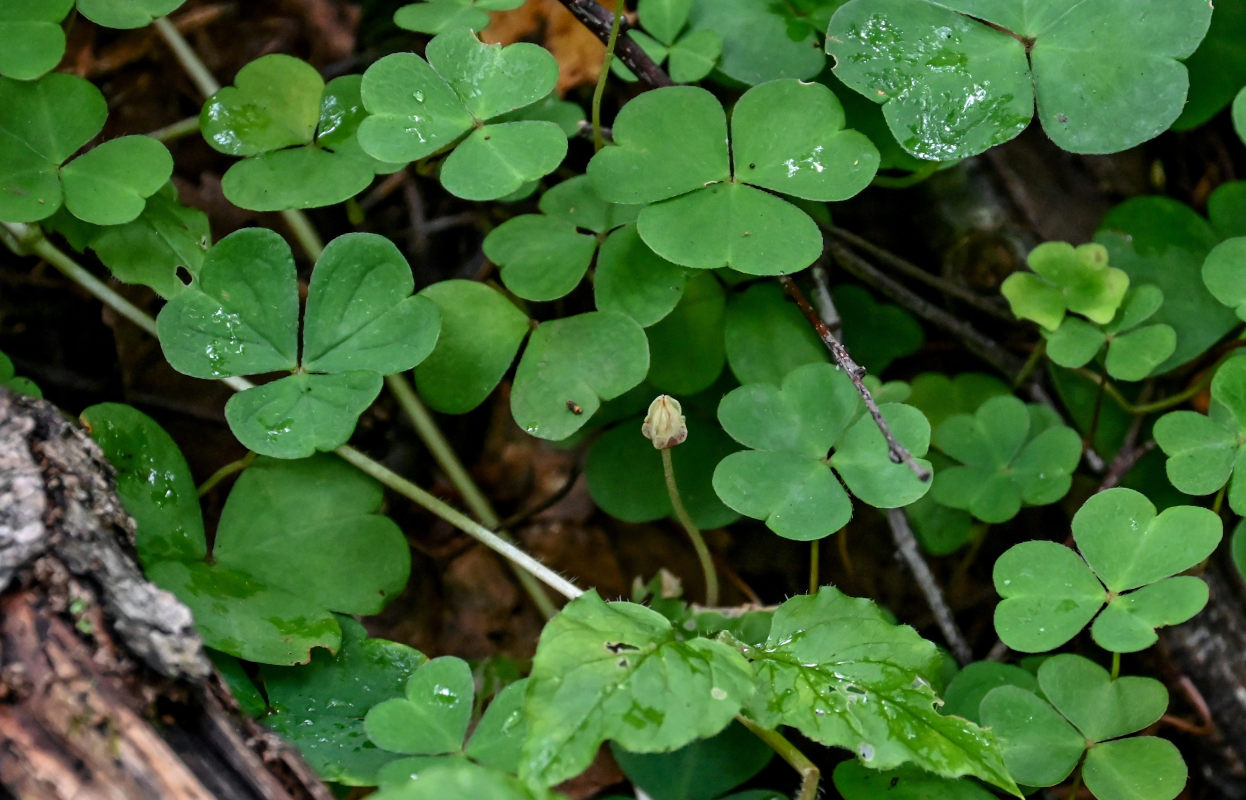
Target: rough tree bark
{"x":105,"y":691}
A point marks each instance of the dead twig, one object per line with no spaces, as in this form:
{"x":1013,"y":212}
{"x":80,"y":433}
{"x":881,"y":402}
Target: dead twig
{"x":599,"y":20}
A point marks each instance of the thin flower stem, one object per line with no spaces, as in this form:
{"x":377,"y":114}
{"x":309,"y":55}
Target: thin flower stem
{"x":300,"y":227}
{"x":899,"y":453}
{"x":1027,"y":369}
{"x":810,"y":775}
{"x":694,"y":533}
{"x":444,"y":455}
{"x":1116,"y":665}
{"x":237,"y":465}
{"x":600,"y":89}
{"x":23,"y":241}
{"x":461,"y":521}
{"x":813,"y":566}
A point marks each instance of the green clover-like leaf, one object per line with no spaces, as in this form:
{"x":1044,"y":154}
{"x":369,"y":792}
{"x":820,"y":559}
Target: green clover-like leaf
{"x":836,"y":669}
{"x":959,"y":77}
{"x":1164,"y":243}
{"x":617,"y":671}
{"x":1224,"y":273}
{"x":686,"y":347}
{"x":110,"y":184}
{"x":1206,"y":451}
{"x":126,"y":13}
{"x":1217,"y":68}
{"x":241,"y":318}
{"x":574,"y":364}
{"x":417,"y":108}
{"x":10,"y":380}
{"x":633,"y":280}
{"x":433,"y":716}
{"x":766,"y":337}
{"x":297,"y":133}
{"x":1134,"y":350}
{"x":702,"y":770}
{"x":855,"y":781}
{"x":807,"y":436}
{"x":1050,"y":593}
{"x":458,"y":777}
{"x":481,"y":332}
{"x":1239,"y":114}
{"x":706,"y":209}
{"x":321,"y":707}
{"x":1066,"y":278}
{"x":1006,"y":460}
{"x":544,"y":256}
{"x":437,"y":16}
{"x":33,"y":38}
{"x":296,"y":540}
{"x":759,"y":43}
{"x":1086,"y":711}
{"x":875,"y":333}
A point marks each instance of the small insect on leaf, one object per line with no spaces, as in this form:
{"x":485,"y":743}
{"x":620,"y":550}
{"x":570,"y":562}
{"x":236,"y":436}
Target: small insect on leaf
{"x":574,"y":407}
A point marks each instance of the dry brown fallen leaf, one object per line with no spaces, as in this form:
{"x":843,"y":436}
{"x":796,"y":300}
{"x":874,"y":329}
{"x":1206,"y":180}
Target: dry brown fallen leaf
{"x":549,"y":24}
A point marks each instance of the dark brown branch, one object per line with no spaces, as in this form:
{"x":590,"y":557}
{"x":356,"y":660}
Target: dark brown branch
{"x":899,"y":453}
{"x":599,"y":20}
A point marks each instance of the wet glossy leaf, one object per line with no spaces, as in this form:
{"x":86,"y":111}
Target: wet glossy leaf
{"x":1049,"y":594}
{"x":274,"y":103}
{"x":1161,"y":242}
{"x":33,"y":38}
{"x":576,"y":361}
{"x":701,"y":770}
{"x":1005,"y":461}
{"x":412,"y":111}
{"x":110,"y":184}
{"x":433,"y":715}
{"x":955,"y":84}
{"x":1140,"y":768}
{"x":787,"y":478}
{"x":320,"y":707}
{"x":166,"y":237}
{"x":855,"y":781}
{"x":633,"y":280}
{"x":758,"y":43}
{"x":126,"y":13}
{"x":836,"y":669}
{"x":31,"y":151}
{"x":624,"y":473}
{"x":480,"y":334}
{"x":497,"y":740}
{"x":1066,"y":278}
{"x":153,"y":482}
{"x":298,"y":177}
{"x":617,"y":671}
{"x":1205,"y":452}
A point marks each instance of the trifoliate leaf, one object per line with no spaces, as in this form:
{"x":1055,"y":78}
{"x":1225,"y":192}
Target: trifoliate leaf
{"x":33,"y":37}
{"x":433,"y":715}
{"x":1066,"y":278}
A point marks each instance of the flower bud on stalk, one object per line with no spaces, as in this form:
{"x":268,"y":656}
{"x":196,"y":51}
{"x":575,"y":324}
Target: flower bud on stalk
{"x":664,"y":424}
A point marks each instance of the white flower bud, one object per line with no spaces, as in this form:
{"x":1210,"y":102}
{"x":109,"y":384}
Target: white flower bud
{"x":664,"y":424}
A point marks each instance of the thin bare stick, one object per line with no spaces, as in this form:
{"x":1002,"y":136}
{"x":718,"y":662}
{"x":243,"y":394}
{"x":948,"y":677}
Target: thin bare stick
{"x":906,"y":546}
{"x":898,"y":452}
{"x":599,"y":20}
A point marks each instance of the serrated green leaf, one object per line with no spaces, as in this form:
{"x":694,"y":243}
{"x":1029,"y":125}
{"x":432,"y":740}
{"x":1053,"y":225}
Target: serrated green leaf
{"x":321,"y":707}
{"x":480,"y":334}
{"x":838,"y":671}
{"x":433,"y":715}
{"x":576,"y":362}
{"x":616,"y":671}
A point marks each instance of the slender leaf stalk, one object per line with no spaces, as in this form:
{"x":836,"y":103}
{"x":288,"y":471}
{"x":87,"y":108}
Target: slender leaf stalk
{"x":598,"y":141}
{"x":444,"y":455}
{"x":810,"y":775}
{"x":694,"y":533}
{"x":237,"y":465}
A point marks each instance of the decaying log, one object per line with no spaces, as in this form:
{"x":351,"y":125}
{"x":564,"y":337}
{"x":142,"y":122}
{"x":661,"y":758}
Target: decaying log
{"x":105,"y":690}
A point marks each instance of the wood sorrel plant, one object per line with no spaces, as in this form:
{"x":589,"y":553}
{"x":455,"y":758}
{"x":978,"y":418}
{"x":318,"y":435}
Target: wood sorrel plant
{"x":680,"y":224}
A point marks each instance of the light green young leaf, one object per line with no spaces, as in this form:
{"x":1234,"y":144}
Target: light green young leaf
{"x":617,"y":671}
{"x":838,"y":671}
{"x":1077,"y":279}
